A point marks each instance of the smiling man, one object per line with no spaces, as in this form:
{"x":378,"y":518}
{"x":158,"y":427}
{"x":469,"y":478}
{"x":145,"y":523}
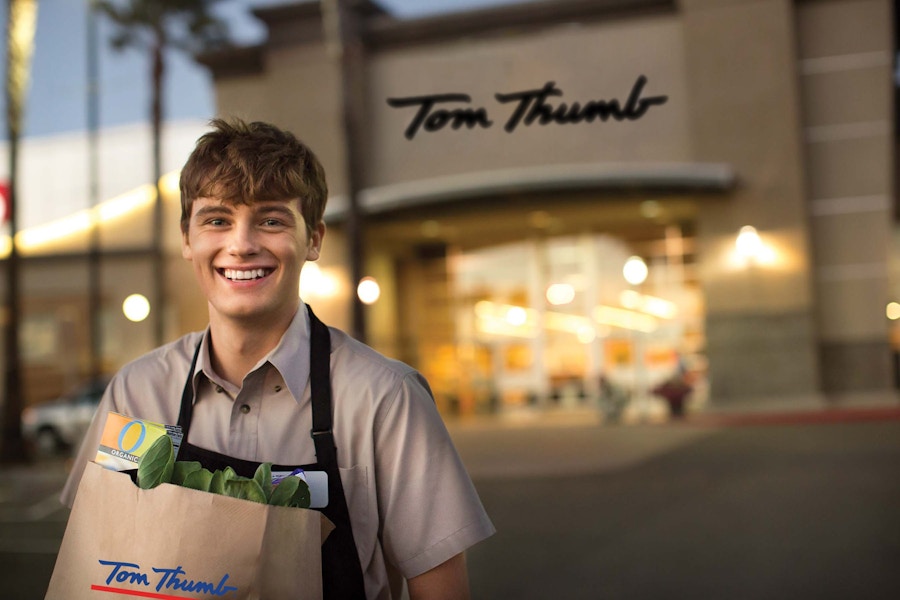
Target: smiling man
{"x":268,"y":382}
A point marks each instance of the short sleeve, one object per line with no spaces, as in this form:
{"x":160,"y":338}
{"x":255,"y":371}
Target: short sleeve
{"x":428,"y":506}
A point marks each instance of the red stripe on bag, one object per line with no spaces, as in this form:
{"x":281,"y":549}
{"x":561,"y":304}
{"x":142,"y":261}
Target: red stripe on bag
{"x":103,"y":588}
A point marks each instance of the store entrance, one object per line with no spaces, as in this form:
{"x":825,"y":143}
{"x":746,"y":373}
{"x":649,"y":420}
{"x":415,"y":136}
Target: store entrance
{"x":509,"y":319}
{"x":555,"y":324}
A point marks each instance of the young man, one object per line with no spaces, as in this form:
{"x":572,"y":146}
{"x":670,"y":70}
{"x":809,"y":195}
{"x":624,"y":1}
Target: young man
{"x":267,"y":382}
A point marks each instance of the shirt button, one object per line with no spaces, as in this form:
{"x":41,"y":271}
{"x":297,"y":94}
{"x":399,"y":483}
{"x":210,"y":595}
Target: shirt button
{"x":245,"y":408}
{"x":219,"y":389}
{"x":277,"y":388}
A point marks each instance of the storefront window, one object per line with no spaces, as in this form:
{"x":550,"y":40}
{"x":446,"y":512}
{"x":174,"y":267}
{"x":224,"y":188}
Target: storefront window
{"x":551,"y":323}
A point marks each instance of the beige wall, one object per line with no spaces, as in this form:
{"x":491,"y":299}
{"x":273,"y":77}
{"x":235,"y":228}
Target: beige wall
{"x":592,"y":61}
{"x":745,"y":110}
{"x":845,"y":67}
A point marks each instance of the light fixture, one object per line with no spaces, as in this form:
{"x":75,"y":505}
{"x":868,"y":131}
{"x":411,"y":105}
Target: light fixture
{"x":368,"y":290}
{"x":893,"y":311}
{"x":560,"y":293}
{"x":635,"y":270}
{"x":136,"y":307}
{"x":748,"y":243}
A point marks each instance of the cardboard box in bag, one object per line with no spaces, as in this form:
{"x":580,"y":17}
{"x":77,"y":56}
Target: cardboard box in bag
{"x":173,"y":543}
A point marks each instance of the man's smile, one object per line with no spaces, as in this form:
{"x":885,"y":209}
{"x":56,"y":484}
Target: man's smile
{"x":244,"y":274}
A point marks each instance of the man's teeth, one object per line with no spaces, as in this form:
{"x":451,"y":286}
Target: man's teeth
{"x":249,"y":274}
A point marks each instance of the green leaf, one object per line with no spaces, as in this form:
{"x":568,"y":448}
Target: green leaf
{"x":292,"y":491}
{"x":182,"y":469}
{"x":198,"y":480}
{"x":157,"y":463}
{"x":284,"y":491}
{"x":245,"y":489}
{"x":217,"y":484}
{"x":301,"y":498}
{"x":263,"y":477}
{"x":229,"y":474}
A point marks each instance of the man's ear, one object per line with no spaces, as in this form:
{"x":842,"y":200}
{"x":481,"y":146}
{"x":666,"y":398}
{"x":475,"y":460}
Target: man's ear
{"x":315,"y":242}
{"x":186,"y":251}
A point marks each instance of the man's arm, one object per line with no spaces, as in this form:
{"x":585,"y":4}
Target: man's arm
{"x":447,"y":581}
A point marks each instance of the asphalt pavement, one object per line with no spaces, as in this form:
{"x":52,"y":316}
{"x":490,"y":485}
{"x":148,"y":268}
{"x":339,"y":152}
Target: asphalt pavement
{"x":783,"y":504}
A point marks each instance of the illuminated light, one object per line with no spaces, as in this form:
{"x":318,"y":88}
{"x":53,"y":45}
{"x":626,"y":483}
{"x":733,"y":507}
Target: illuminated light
{"x":368,"y":290}
{"x":38,"y":236}
{"x":315,"y":282}
{"x":81,"y":222}
{"x":125,"y":203}
{"x":484,"y":308}
{"x":630,"y":299}
{"x":136,"y":307}
{"x":586,"y":334}
{"x":635,"y":270}
{"x":516,"y":316}
{"x":893,"y":311}
{"x":659,"y":307}
{"x":560,"y":293}
{"x":624,"y":319}
{"x":748,"y":243}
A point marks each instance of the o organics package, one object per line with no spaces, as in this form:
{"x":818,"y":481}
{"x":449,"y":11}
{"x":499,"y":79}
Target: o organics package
{"x":126,"y":439}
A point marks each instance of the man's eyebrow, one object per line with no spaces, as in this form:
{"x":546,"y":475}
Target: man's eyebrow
{"x":213,"y":209}
{"x":276,"y":208}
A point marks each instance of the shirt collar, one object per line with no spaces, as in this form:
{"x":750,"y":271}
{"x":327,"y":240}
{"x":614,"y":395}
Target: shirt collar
{"x":290,"y":357}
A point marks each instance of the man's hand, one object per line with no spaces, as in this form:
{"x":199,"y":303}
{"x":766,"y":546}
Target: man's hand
{"x":447,"y":581}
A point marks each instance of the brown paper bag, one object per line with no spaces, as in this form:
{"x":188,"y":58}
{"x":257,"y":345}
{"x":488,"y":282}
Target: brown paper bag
{"x":175,"y":543}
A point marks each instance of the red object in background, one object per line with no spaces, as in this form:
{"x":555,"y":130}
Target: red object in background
{"x":4,"y":206}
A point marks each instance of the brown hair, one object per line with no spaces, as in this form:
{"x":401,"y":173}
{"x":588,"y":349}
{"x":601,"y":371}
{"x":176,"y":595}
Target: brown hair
{"x":244,"y":162}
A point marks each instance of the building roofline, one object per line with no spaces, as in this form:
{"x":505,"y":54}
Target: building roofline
{"x":385,"y":31}
{"x":381,"y":30}
{"x":668,"y":177}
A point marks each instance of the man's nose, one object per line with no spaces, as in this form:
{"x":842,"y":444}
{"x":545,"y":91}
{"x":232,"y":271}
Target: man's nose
{"x":243,"y":240}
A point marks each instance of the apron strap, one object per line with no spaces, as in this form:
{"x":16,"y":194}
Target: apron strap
{"x":187,"y":400}
{"x":345,"y":578}
{"x":320,"y":387}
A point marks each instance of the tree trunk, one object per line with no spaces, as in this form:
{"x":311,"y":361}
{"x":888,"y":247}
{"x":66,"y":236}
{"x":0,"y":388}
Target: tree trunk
{"x":156,"y":112}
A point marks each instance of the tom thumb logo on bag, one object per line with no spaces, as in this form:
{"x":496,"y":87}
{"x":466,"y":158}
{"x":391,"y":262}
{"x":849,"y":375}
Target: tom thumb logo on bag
{"x":161,"y":579}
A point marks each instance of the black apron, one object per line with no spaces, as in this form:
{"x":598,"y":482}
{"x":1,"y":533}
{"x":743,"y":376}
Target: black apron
{"x":342,"y":577}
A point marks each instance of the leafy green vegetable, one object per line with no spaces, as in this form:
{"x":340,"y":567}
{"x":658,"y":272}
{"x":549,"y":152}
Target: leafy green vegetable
{"x":217,"y":484}
{"x":157,"y":464}
{"x":198,"y":480}
{"x":183,"y":469}
{"x":292,"y":491}
{"x":284,"y":491}
{"x":263,"y":477}
{"x":245,"y":489}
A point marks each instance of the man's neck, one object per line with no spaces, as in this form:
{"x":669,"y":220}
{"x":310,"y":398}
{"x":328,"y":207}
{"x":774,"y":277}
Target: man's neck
{"x":237,"y":347}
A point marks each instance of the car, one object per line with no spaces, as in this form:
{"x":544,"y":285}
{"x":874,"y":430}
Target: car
{"x":59,"y":425}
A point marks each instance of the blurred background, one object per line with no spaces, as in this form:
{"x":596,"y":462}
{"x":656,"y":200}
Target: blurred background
{"x":755,"y":199}
{"x":697,"y":216}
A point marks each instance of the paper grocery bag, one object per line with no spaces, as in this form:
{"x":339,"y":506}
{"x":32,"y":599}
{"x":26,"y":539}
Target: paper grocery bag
{"x":174,"y":543}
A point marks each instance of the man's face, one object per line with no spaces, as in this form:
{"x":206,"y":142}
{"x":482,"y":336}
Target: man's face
{"x":247,"y":257}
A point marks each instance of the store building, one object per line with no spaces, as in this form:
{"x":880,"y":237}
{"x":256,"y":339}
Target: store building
{"x":511,"y":161}
{"x":514,"y":151}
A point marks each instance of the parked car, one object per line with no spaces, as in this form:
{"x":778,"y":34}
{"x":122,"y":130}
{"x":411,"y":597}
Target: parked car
{"x":60,"y":424}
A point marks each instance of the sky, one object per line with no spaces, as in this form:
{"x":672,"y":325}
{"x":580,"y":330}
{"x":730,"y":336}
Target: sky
{"x":58,"y":91}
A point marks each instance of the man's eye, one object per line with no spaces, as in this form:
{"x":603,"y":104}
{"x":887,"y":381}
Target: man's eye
{"x":216,"y":222}
{"x":271,"y":222}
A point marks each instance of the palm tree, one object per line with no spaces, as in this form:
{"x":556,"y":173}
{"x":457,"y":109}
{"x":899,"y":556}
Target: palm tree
{"x":156,"y":26}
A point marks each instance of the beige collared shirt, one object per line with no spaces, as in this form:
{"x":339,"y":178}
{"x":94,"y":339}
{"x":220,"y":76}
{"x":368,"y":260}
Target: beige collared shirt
{"x":412,"y":504}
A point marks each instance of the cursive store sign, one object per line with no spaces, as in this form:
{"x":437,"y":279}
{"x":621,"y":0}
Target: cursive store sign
{"x":435,"y":112}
